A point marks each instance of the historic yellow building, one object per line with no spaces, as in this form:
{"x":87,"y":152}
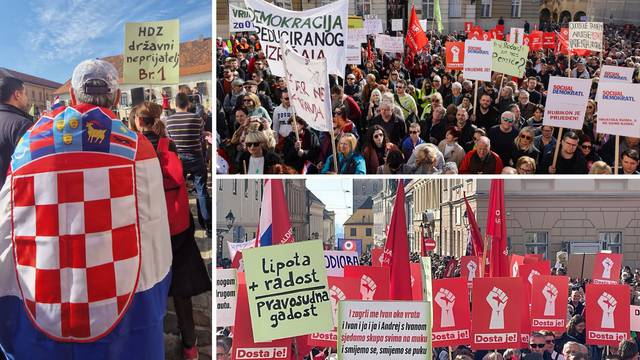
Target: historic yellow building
{"x":360,"y":225}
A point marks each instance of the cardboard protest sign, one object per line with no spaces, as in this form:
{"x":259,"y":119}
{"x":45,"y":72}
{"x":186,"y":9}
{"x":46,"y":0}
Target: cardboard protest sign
{"x":376,"y":256}
{"x":478,"y":59}
{"x":244,"y":346}
{"x":390,"y":44}
{"x":416,"y":281}
{"x":373,"y":26}
{"x":354,"y":40}
{"x":515,"y":261}
{"x":152,"y":53}
{"x":585,"y":35}
{"x":618,"y":109}
{"x":308,"y":84}
{"x":635,"y":318}
{"x":451,"y":314}
{"x":493,"y":298}
{"x":454,"y":55}
{"x":619,"y":74}
{"x":239,"y":19}
{"x":549,"y":40}
{"x":509,"y":58}
{"x":396,"y":25}
{"x":548,"y":303}
{"x":606,"y":268}
{"x":340,"y":289}
{"x":374,"y":281}
{"x":470,"y":268}
{"x":355,"y":22}
{"x":476,"y":33}
{"x":536,"y":40}
{"x":287,"y":288}
{"x":382,"y":330}
{"x":608,"y":321}
{"x":315,"y":33}
{"x":335,"y":261}
{"x":226,"y":296}
{"x":529,"y":271}
{"x":567,"y":102}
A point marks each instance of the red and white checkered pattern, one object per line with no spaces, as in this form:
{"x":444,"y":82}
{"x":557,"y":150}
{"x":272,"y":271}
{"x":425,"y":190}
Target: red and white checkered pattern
{"x":76,"y":248}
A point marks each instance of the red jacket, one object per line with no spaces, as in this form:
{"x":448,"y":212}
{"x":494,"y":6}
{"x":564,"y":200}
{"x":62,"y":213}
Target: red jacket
{"x":175,"y":188}
{"x":471,"y":164}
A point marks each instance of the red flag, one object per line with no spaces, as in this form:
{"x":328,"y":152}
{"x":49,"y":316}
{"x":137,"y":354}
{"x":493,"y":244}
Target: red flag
{"x":416,"y":38}
{"x":497,"y":229}
{"x":476,"y":236}
{"x":396,"y":250}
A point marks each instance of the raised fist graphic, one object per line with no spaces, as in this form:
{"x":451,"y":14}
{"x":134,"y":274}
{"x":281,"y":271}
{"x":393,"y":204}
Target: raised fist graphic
{"x":472,"y":266}
{"x":456,"y":53}
{"x":607,"y":265}
{"x":367,"y":287}
{"x":531,"y":275}
{"x":336,"y":294}
{"x":608,"y":305}
{"x":445,"y":299}
{"x":497,"y":299}
{"x":550,"y":293}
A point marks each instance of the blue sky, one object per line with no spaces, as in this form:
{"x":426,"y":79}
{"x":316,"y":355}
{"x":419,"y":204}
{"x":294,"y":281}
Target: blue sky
{"x":48,"y":38}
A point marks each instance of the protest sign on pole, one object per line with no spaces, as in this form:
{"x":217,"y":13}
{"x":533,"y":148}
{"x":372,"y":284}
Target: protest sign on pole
{"x":478,"y":59}
{"x":315,"y":34}
{"x":567,"y":102}
{"x":287,"y":288}
{"x":618,"y":74}
{"x":477,"y":33}
{"x":536,"y":40}
{"x":335,"y":261}
{"x":515,"y":261}
{"x":469,"y":268}
{"x":152,"y":53}
{"x":606,"y":268}
{"x":493,"y":298}
{"x":382,"y":330}
{"x":549,"y":40}
{"x":618,"y":109}
{"x":468,"y":25}
{"x":354,"y":41}
{"x":635,"y":318}
{"x":390,"y":44}
{"x":529,"y":271}
{"x":340,"y":289}
{"x":454,"y":55}
{"x":451,"y":314}
{"x":608,"y":320}
{"x":226,"y":295}
{"x":374,"y":281}
{"x":239,"y":20}
{"x":308,"y":85}
{"x":548,"y":303}
{"x":244,"y":346}
{"x":396,"y":25}
{"x":373,"y":26}
{"x":517,"y":35}
{"x":585,"y":35}
{"x":509,"y":58}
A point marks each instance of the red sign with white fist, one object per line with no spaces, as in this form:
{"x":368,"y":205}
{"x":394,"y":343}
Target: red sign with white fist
{"x":451,"y":315}
{"x":606,"y":268}
{"x":470,"y":268}
{"x":373,"y":282}
{"x":548,"y":303}
{"x":608,"y":318}
{"x":340,"y":288}
{"x":493,"y":298}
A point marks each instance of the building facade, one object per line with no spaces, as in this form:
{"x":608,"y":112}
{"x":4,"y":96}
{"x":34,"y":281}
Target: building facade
{"x":382,"y":208}
{"x":363,"y":189}
{"x":609,"y":11}
{"x":329,"y":229}
{"x":360,"y":225}
{"x":40,"y":91}
{"x":296,"y":193}
{"x":316,"y":217}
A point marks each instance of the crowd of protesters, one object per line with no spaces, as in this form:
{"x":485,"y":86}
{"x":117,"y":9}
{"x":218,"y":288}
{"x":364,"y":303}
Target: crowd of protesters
{"x":410,"y":115}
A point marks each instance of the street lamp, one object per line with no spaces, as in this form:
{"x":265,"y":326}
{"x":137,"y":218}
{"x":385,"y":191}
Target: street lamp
{"x":230,"y":220}
{"x":465,"y":219}
{"x":220,"y":235}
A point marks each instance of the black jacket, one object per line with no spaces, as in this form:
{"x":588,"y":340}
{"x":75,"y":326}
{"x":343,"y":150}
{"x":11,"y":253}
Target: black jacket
{"x":13,"y":124}
{"x":310,"y":144}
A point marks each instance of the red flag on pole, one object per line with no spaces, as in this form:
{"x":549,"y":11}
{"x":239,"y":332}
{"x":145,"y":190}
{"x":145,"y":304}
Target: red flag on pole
{"x":416,"y":38}
{"x":396,"y":250}
{"x":476,"y":236}
{"x":497,"y":229}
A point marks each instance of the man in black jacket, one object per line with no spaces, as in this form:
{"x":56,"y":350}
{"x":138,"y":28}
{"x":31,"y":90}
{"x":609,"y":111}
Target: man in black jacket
{"x":14,"y":120}
{"x":569,"y":160}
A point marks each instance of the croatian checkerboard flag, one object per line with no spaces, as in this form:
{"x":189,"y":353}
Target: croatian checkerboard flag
{"x":85,"y":250}
{"x":274,"y":227}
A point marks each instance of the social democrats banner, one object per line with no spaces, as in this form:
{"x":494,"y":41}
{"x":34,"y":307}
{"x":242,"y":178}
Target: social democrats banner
{"x":567,"y":102}
{"x":618,"y":109}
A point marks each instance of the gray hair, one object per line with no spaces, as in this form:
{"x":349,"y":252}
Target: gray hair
{"x":509,"y":353}
{"x":456,"y":85}
{"x":523,"y":91}
{"x":102,"y":100}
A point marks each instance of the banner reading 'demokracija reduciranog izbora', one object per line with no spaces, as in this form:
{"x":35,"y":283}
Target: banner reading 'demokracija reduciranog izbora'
{"x":315,"y":34}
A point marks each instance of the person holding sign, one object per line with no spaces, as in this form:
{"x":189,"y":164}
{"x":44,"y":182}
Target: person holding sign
{"x":569,"y":161}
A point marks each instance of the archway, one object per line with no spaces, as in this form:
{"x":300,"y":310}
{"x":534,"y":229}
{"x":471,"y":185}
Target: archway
{"x":579,"y":15}
{"x":565,"y":16}
{"x":554,"y":16}
{"x":545,"y":18}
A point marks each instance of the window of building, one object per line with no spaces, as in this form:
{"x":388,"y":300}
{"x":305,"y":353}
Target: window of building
{"x":455,"y":8}
{"x":352,"y":232}
{"x":246,"y":188}
{"x":485,"y":8}
{"x":427,"y":9}
{"x":257,"y":189}
{"x":235,"y":187}
{"x":537,"y":242}
{"x":33,"y":95}
{"x":611,"y":240}
{"x":124,"y":99}
{"x":367,"y":232}
{"x":516,"y":7}
{"x":363,"y":7}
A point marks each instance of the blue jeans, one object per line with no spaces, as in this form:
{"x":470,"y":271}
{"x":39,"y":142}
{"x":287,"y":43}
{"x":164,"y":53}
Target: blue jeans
{"x":193,"y":164}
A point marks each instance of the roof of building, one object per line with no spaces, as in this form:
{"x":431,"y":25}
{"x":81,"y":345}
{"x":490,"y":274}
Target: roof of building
{"x":195,"y":58}
{"x":313,"y":197}
{"x":367,"y":204}
{"x":29,"y":78}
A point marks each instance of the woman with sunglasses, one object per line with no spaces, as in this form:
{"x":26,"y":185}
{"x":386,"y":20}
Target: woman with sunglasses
{"x":523,"y":145}
{"x":349,"y":161}
{"x":376,"y":148}
{"x":589,"y":152}
{"x":252,"y":102}
{"x":590,"y":121}
{"x":256,"y":159}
